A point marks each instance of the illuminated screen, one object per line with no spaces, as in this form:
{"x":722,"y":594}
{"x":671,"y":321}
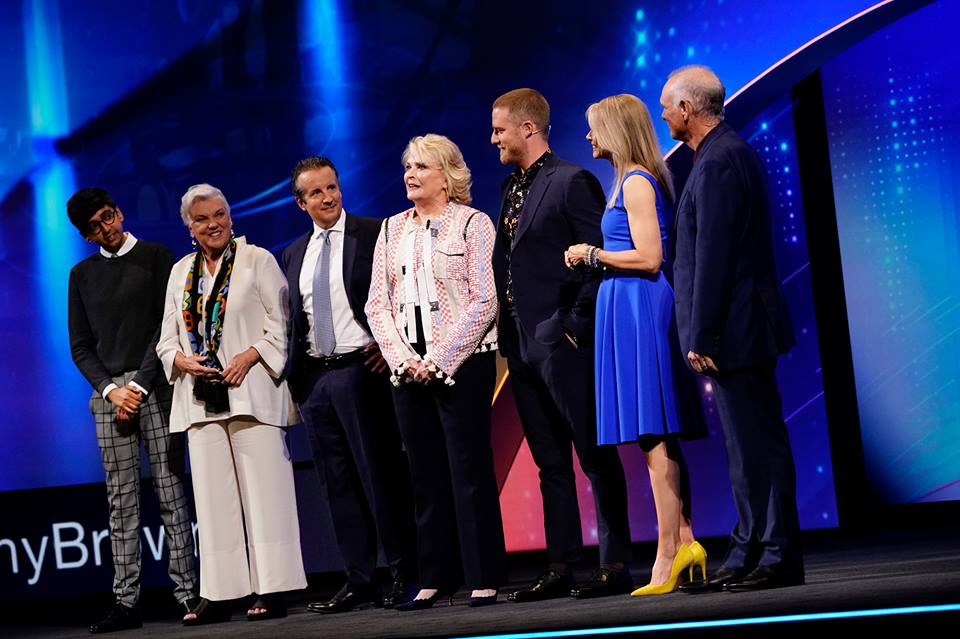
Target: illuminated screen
{"x":235,"y":96}
{"x":893,"y":118}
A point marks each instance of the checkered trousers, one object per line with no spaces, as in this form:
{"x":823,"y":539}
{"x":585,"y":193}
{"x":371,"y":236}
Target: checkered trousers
{"x":120,"y":453}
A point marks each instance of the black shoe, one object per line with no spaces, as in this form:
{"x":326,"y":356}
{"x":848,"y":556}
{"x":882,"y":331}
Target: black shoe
{"x":119,"y":617}
{"x":187,"y":605}
{"x":765,"y":578}
{"x":549,"y":585}
{"x":347,"y":598}
{"x":274,"y":606}
{"x":401,"y":591}
{"x":208,"y":612}
{"x":479,"y":602}
{"x":716,"y":582}
{"x":605,"y":582}
{"x":427,"y":602}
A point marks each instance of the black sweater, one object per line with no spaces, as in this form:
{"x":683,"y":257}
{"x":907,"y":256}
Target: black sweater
{"x":115,"y":309}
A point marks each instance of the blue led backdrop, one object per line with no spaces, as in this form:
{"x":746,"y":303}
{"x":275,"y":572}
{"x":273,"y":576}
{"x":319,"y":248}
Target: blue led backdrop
{"x":146,"y":100}
{"x":893,"y":114}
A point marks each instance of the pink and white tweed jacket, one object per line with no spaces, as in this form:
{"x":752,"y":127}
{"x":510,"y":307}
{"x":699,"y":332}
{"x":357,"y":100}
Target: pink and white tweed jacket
{"x":462,"y":321}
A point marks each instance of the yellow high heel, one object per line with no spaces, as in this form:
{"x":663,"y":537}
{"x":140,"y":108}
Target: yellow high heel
{"x":684,"y":560}
{"x":699,"y":559}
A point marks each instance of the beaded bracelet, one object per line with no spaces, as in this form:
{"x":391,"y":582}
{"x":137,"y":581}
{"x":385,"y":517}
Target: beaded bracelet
{"x":593,"y":257}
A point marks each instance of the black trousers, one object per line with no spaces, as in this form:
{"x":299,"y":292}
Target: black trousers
{"x":356,"y":447}
{"x":761,"y":468}
{"x":446,"y":431}
{"x":554,"y":391}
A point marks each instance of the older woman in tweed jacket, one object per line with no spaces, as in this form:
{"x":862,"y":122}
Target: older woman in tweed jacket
{"x":432,"y":307}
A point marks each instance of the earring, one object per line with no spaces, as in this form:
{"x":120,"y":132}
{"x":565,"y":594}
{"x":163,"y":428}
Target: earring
{"x":193,"y":241}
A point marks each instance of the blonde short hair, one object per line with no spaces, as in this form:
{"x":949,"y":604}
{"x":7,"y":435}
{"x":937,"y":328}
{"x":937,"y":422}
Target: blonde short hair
{"x":526,"y":104}
{"x":441,"y":152}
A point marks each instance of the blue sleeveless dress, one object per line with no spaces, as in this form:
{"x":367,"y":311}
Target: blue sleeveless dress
{"x":643,"y":387}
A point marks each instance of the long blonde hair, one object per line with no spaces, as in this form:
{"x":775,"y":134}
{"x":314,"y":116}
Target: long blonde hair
{"x":622,"y":126}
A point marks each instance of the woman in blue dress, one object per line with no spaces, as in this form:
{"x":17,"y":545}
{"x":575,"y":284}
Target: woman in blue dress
{"x":644,"y":392}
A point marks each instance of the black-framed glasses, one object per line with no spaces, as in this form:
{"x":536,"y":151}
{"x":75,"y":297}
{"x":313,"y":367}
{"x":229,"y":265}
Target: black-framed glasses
{"x":106,"y":219}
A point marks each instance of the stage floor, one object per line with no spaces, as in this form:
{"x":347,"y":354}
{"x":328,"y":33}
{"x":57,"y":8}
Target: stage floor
{"x":844,"y":573}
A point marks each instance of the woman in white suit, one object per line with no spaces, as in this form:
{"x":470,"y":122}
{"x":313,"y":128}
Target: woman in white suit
{"x":223,"y":346}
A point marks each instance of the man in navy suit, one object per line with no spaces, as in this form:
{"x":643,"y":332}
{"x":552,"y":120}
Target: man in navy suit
{"x":340,"y":383}
{"x":733,"y":322}
{"x":546,"y":333}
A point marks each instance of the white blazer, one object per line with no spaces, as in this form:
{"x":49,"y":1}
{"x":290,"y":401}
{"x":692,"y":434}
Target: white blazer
{"x":256,"y":316}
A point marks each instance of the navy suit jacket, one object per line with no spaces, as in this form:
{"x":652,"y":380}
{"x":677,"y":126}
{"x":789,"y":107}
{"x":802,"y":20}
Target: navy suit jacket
{"x":563,"y":207}
{"x":359,"y":240}
{"x":728,"y":298}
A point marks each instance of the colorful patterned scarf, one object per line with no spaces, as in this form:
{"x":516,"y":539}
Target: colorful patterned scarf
{"x":207,"y":345}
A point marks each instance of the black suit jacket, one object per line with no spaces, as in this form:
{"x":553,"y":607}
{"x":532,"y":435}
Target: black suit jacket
{"x":359,"y":239}
{"x":728,"y":298}
{"x":563,"y":207}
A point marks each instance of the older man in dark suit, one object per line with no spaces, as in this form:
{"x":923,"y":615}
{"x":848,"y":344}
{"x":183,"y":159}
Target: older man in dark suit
{"x":546,"y":334}
{"x":340,"y":383}
{"x":733,"y":322}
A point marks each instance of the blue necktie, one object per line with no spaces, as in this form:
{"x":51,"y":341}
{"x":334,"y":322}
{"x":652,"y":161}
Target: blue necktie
{"x":322,"y":309}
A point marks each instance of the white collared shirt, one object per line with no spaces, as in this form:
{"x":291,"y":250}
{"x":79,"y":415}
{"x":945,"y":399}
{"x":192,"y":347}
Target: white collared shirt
{"x":346,"y":329}
{"x":125,"y":248}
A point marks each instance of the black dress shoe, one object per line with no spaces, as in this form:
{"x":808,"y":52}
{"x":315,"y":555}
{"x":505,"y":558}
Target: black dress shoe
{"x":765,"y":578}
{"x":605,"y":582}
{"x":549,"y":585}
{"x":401,"y":591}
{"x":119,"y":617}
{"x":716,"y":582}
{"x":347,"y":598}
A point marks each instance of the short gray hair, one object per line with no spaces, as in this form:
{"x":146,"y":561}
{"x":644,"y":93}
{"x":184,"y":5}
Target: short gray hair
{"x":200,"y":192}
{"x":699,"y":87}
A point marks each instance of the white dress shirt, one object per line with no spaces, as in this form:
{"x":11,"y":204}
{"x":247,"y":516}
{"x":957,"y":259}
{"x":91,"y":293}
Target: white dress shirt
{"x":346,"y":329}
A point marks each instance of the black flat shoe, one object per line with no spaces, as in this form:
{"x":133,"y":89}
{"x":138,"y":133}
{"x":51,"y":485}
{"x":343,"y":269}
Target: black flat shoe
{"x":427,"y":602}
{"x":479,"y":602}
{"x":548,"y":585}
{"x":208,"y":612}
{"x":274,"y":607}
{"x":119,"y":617}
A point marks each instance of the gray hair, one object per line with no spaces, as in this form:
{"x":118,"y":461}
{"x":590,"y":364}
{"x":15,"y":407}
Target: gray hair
{"x":699,"y":87}
{"x":200,"y":192}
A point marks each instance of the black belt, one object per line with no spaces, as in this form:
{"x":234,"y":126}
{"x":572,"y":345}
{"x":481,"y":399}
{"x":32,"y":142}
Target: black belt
{"x":338,"y":360}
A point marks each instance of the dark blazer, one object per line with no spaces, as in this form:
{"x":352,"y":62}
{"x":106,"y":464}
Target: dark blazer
{"x":359,"y":239}
{"x":728,"y":297}
{"x":563,"y":207}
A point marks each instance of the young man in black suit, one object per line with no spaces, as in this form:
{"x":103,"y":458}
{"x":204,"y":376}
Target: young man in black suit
{"x":340,"y":383}
{"x":733,"y":322}
{"x":546,"y":333}
{"x":114,"y":312}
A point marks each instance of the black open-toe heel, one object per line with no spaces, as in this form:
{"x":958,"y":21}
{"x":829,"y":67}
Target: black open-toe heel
{"x":477,"y":602}
{"x":423,"y":604}
{"x":274,"y":607}
{"x":208,"y":612}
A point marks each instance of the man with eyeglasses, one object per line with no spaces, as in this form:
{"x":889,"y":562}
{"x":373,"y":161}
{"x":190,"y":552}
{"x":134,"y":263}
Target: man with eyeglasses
{"x":115,"y":307}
